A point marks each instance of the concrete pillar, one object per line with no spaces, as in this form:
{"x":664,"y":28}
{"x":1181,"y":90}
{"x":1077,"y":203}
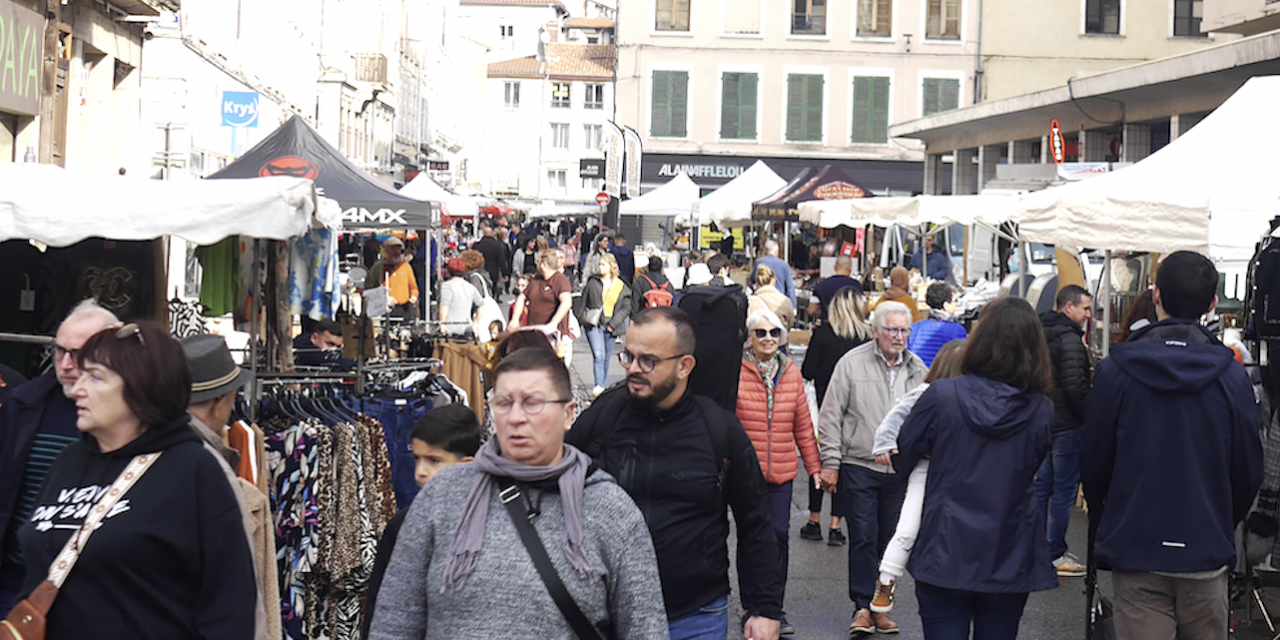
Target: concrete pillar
{"x":933,"y":174}
{"x":1020,"y":152}
{"x":962,"y":172}
{"x":988,"y":157}
{"x":1093,"y":146}
{"x":1180,"y":124}
{"x":1137,"y":142}
{"x":1046,"y":151}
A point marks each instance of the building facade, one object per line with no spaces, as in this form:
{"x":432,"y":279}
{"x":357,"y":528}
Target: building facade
{"x":508,"y":28}
{"x":810,"y":81}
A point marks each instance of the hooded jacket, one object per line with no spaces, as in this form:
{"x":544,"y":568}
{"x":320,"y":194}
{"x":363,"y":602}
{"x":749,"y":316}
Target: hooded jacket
{"x":593,"y":298}
{"x":171,"y":561}
{"x":985,"y":440}
{"x":626,"y":262}
{"x":1171,"y":457}
{"x":1072,"y":374}
{"x":776,"y":437}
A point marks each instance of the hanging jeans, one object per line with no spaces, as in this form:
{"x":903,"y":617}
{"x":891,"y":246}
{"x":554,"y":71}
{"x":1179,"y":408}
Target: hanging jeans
{"x":601,"y":350}
{"x":398,"y":416}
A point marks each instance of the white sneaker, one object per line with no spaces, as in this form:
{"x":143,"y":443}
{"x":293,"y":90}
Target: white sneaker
{"x":1069,"y":566}
{"x":596,"y":391}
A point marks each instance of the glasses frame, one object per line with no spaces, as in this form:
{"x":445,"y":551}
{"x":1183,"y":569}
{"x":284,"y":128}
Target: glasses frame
{"x":761,"y":334}
{"x":897,"y":332}
{"x":130,"y":330}
{"x":529,"y":410}
{"x":625,"y":358}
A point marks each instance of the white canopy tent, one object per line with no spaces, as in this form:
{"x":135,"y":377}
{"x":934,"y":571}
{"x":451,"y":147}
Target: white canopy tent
{"x":988,"y":210}
{"x":565,"y":210}
{"x":730,"y":205}
{"x":671,"y":199}
{"x":59,"y":208}
{"x":453,"y":205}
{"x":1213,"y":190}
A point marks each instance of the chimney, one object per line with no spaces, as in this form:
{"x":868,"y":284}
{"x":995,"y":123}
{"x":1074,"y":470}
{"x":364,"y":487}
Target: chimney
{"x":553,"y":28}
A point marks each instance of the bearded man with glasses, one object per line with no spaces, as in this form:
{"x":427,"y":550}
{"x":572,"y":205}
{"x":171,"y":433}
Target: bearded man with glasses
{"x":685,"y":461}
{"x":867,"y":382}
{"x":36,"y":424}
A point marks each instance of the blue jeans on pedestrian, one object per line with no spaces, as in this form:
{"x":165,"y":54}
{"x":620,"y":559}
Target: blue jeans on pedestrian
{"x":708,"y":623}
{"x":872,"y":502}
{"x":947,"y":614}
{"x":779,"y":500}
{"x":1056,"y":483}
{"x":601,"y":350}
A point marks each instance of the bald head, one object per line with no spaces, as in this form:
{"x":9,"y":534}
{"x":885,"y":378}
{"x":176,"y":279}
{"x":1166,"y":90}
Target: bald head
{"x":844,"y":266}
{"x":771,"y":247}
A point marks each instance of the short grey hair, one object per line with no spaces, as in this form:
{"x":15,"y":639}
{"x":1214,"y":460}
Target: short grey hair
{"x":765,"y":316}
{"x":771,"y":246}
{"x":889,"y":308}
{"x":89,"y":309}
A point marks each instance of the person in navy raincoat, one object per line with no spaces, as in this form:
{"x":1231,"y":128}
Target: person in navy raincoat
{"x":982,"y":548}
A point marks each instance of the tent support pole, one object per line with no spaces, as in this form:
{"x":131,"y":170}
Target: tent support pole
{"x":1024,"y":271}
{"x":1106,"y":305}
{"x":254,"y":330}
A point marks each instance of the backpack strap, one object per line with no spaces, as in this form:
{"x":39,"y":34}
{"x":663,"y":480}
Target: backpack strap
{"x":649,"y":280}
{"x":718,"y":429}
{"x":611,"y":404}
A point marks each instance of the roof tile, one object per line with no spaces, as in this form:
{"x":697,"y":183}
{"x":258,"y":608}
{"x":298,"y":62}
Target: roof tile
{"x":563,"y":61}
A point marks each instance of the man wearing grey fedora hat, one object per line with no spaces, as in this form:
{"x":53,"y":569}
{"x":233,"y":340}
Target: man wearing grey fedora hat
{"x":215,"y":379}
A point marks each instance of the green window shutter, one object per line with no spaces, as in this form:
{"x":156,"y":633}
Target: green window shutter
{"x":940,"y":94}
{"x":813,"y":113}
{"x":747,"y":105}
{"x":660,"y":114}
{"x":795,"y":107}
{"x":804,"y":108}
{"x":950,"y":95}
{"x":679,"y":103}
{"x":870,"y":110}
{"x":729,"y":106}
{"x":880,"y":112}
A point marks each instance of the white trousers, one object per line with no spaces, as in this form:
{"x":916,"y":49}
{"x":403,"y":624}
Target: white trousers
{"x":904,"y":537}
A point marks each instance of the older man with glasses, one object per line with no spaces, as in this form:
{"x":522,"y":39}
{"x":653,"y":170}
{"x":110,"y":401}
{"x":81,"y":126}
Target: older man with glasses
{"x":37,"y":422}
{"x":867,"y":382}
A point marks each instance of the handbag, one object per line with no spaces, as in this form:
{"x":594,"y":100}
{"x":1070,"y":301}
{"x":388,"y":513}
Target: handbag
{"x":27,"y":621}
{"x":591,"y":317}
{"x":582,"y":627}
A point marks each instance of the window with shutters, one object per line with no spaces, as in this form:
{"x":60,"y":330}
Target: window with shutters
{"x":672,"y":15}
{"x":559,"y":136}
{"x":738,"y":106}
{"x":595,"y":97}
{"x":560,"y":95}
{"x":943,"y":21}
{"x":1186,"y":18}
{"x":741,"y":17}
{"x":592,"y":134}
{"x":804,"y":108}
{"x":870,"y":110}
{"x":511,"y":94}
{"x":1102,"y":17}
{"x":809,"y":18}
{"x":875,"y":18}
{"x":941,"y":94}
{"x":670,"y":104}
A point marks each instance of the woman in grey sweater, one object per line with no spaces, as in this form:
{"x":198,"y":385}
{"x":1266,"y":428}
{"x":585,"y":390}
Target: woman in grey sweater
{"x":460,"y":570}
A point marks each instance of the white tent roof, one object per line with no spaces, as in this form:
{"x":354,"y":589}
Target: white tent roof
{"x":730,"y":205}
{"x":424,"y":188}
{"x":57,"y":207}
{"x":671,"y":199}
{"x":565,"y":210}
{"x":1212,"y":190}
{"x":883,"y":212}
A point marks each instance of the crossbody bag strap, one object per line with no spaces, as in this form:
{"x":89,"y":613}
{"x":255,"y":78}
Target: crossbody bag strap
{"x":71,"y":551}
{"x":510,"y":497}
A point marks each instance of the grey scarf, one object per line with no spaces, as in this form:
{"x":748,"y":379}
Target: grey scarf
{"x":464,"y":552}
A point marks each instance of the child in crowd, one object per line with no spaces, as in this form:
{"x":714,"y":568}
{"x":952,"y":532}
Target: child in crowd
{"x":945,"y":365}
{"x":443,"y":437}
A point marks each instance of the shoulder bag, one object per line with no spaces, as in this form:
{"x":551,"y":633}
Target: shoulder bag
{"x":28,"y":619}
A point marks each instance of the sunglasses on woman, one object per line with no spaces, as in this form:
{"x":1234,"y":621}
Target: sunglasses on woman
{"x":774,"y":333}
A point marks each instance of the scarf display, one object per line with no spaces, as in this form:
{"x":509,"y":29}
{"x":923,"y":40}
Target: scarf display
{"x":464,"y":552}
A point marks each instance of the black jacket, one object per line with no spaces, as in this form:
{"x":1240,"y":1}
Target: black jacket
{"x":172,"y":562}
{"x":1072,"y":373}
{"x":825,"y":350}
{"x":1170,"y":457}
{"x":495,"y":257}
{"x":641,"y":285}
{"x":19,"y":421}
{"x":593,"y":298}
{"x":666,"y":462}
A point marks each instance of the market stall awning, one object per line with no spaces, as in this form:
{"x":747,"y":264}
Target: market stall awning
{"x":883,"y":212}
{"x":296,"y":150}
{"x":730,"y":205}
{"x":671,"y":199}
{"x":59,"y":208}
{"x":1214,"y":189}
{"x":827,"y":183}
{"x":565,"y":210}
{"x":423,"y":187}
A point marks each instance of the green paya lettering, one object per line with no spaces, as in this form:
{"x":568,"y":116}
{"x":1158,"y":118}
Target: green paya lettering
{"x":31,"y":83}
{"x":9,"y":81}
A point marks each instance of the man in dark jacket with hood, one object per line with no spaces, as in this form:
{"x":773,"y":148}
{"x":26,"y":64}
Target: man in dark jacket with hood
{"x":651,"y":279}
{"x":1059,"y":475}
{"x":495,"y":257}
{"x":1171,"y":461}
{"x":626,"y":259}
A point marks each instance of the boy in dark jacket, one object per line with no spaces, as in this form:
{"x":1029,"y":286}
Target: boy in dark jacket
{"x":1171,"y":462}
{"x":1059,"y":475}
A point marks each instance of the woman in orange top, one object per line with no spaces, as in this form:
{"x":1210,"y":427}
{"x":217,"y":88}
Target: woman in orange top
{"x":899,"y":282}
{"x":775,"y":413}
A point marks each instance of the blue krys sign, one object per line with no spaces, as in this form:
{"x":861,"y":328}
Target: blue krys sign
{"x":239,"y":109}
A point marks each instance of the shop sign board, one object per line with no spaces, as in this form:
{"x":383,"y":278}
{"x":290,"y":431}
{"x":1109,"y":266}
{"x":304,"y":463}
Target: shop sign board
{"x":1056,"y":143}
{"x":634,"y":156}
{"x":438,"y":165}
{"x":613,"y":150}
{"x":240,"y":109}
{"x":21,"y":39}
{"x":591,"y":168}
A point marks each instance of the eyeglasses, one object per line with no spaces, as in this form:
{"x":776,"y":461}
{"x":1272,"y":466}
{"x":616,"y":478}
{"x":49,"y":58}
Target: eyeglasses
{"x":774,"y":332}
{"x":59,"y":352}
{"x":646,"y":363}
{"x":896,"y":332}
{"x":130,"y":330}
{"x":532,"y":405}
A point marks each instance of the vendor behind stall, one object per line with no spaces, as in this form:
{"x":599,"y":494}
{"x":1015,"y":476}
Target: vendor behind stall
{"x":393,"y":271}
{"x":321,"y":347}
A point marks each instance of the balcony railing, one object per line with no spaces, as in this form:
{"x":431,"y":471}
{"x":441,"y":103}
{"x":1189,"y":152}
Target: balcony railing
{"x":808,"y":24}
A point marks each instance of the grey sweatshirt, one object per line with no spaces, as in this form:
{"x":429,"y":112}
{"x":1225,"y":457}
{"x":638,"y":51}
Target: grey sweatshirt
{"x":505,"y":597}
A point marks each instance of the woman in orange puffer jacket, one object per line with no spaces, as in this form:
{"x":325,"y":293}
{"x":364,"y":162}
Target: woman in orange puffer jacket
{"x":775,"y":413}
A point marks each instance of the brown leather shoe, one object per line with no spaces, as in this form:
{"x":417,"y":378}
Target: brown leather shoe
{"x":883,"y":602}
{"x":885,"y":624}
{"x":862,"y":622}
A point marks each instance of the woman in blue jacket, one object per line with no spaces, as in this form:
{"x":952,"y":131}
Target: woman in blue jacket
{"x":985,"y":433}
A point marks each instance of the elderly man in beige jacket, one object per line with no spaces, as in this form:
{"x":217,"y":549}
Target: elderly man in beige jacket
{"x":867,"y":382}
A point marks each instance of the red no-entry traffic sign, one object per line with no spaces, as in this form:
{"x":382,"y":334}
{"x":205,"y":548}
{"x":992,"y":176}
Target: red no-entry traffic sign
{"x":602,"y":199}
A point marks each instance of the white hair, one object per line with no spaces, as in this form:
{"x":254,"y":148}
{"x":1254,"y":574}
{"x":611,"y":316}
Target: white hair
{"x":89,"y":309}
{"x":765,"y":316}
{"x":771,"y":247}
{"x":888,"y":308}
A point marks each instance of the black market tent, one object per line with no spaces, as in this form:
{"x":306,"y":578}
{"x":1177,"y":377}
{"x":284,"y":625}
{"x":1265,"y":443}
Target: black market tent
{"x":827,"y":183}
{"x":297,"y":150}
